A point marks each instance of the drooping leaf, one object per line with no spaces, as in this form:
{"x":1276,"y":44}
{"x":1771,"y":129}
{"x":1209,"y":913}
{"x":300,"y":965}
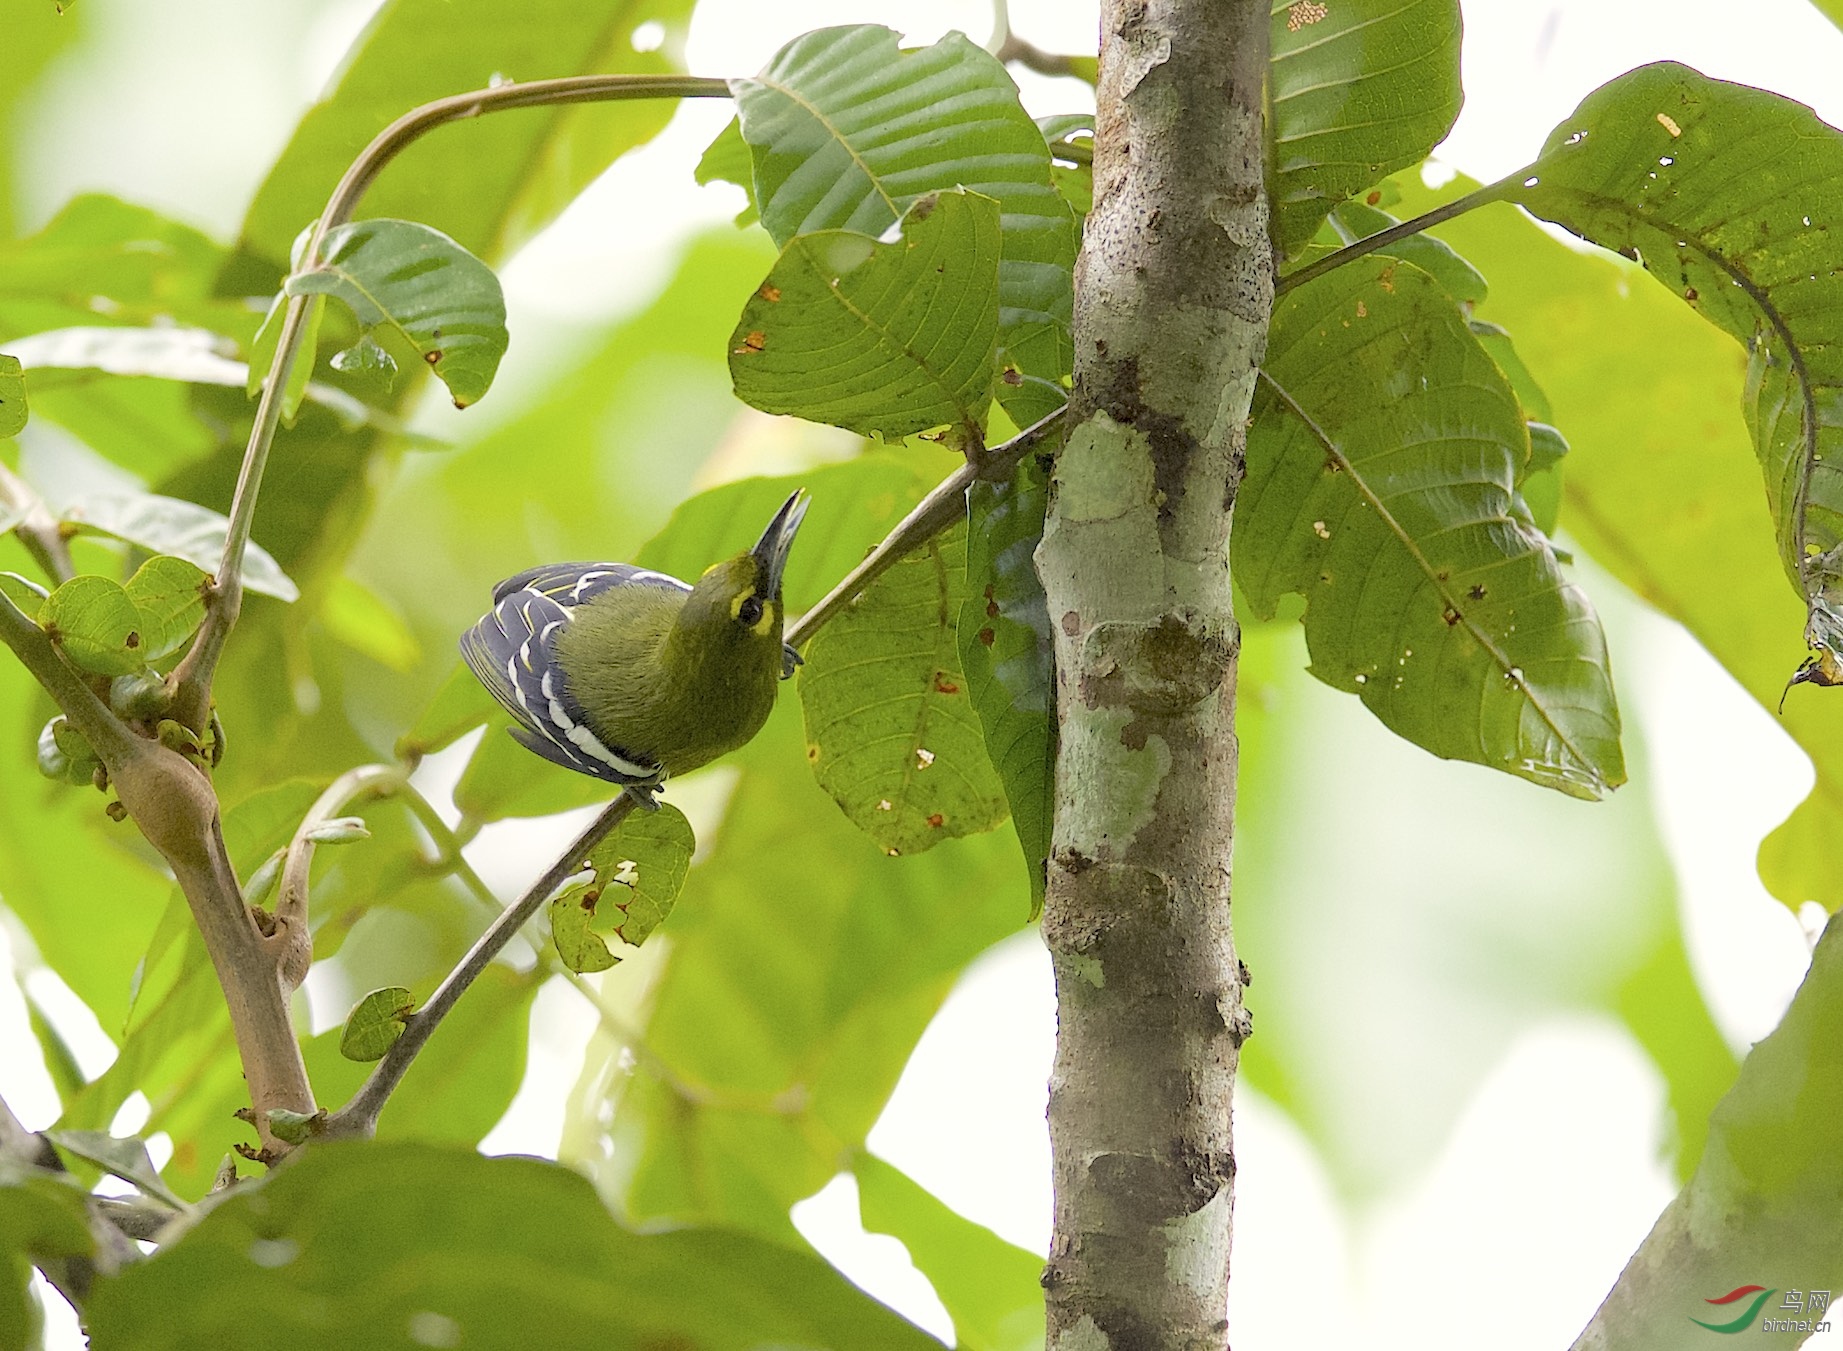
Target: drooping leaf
{"x":420,"y":285}
{"x":315,"y":1256}
{"x":170,"y":594}
{"x":1359,"y":89}
{"x":12,"y":396}
{"x":1726,"y":194}
{"x":890,"y":725}
{"x":459,"y":706}
{"x":95,"y":622}
{"x":727,"y":160}
{"x":375,"y":1023}
{"x":848,"y":129}
{"x":639,"y":870}
{"x":1005,"y":650}
{"x":578,"y":946}
{"x":42,"y":1219}
{"x":172,"y":525}
{"x":882,"y":338}
{"x":1382,"y":464}
{"x":307,"y":348}
{"x":992,"y":1289}
{"x":121,"y":1156}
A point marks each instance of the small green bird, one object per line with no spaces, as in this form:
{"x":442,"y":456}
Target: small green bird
{"x":629,"y":675}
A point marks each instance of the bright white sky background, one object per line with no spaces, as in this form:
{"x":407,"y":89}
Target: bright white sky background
{"x":1551,"y":1176}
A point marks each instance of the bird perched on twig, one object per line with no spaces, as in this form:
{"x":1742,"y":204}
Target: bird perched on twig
{"x":629,"y":675}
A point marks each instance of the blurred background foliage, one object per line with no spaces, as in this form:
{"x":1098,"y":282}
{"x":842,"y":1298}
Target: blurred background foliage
{"x":1404,"y":919}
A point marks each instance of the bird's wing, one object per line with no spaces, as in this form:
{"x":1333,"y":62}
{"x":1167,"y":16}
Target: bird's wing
{"x":513,"y":650}
{"x":571,"y":584}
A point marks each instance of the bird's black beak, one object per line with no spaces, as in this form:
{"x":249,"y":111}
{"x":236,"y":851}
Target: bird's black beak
{"x":770,"y":551}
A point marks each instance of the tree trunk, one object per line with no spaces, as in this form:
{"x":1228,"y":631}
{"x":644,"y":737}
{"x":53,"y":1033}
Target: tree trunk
{"x":1173,"y":291}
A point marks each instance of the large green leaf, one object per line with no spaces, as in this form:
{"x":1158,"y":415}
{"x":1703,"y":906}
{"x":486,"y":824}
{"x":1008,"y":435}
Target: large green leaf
{"x":847,"y":130}
{"x":1006,"y":652}
{"x":172,"y":525}
{"x":890,"y":725}
{"x":421,"y":286}
{"x":1359,"y":88}
{"x":1728,"y":196}
{"x":882,"y":338}
{"x":772,"y":1039}
{"x":488,"y":183}
{"x":316,"y":1256}
{"x":991,"y":1288}
{"x":1382,"y":466}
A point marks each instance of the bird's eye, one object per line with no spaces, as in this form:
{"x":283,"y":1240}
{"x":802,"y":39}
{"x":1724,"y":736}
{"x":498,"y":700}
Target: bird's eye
{"x":751,"y":612}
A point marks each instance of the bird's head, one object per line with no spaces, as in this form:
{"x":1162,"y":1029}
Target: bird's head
{"x":735,"y":610}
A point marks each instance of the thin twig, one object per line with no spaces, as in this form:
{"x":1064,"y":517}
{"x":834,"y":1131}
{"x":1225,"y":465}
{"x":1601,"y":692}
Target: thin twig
{"x":944,"y":504}
{"x":191,"y":680}
{"x":1499,"y":191}
{"x":38,"y":528}
{"x":938,"y":510}
{"x":1033,"y":57}
{"x":360,"y":1115}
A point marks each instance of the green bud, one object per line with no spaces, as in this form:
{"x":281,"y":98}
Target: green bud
{"x":140,"y":694}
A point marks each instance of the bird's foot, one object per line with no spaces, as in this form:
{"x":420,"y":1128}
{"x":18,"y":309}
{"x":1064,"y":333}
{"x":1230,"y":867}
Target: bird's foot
{"x":645,"y":794}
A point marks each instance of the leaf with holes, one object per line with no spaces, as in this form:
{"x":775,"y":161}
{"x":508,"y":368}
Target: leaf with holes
{"x":847,"y":130}
{"x":1005,"y":650}
{"x":580,"y":947}
{"x":890,"y":726}
{"x":880,"y":337}
{"x":419,"y":284}
{"x":1359,"y":89}
{"x":639,"y":871}
{"x":97,"y":625}
{"x":1382,"y":468}
{"x":170,"y":594}
{"x":12,"y":396}
{"x":1728,"y":196}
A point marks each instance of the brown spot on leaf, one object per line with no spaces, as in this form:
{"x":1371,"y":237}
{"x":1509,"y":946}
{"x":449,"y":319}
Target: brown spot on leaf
{"x":1476,"y":591}
{"x":1362,"y":310}
{"x":1012,"y":376}
{"x":924,"y":206}
{"x":1450,"y":615}
{"x":812,"y":754}
{"x":943,"y":685}
{"x":769,"y":292}
{"x":133,"y":640}
{"x":1374,"y":198}
{"x":987,"y":637}
{"x":936,"y":820}
{"x":433,"y":356}
{"x":1691,"y":294}
{"x":754,"y":342}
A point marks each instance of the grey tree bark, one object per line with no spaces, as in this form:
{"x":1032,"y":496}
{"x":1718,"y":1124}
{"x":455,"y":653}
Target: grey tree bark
{"x":1173,"y":292}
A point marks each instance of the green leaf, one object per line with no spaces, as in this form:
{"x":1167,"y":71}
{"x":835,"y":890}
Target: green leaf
{"x":1727,"y":195}
{"x":12,"y":396}
{"x":375,"y":1023}
{"x":645,"y":859}
{"x":121,"y":1156}
{"x":727,"y":160}
{"x":579,"y":947}
{"x":172,"y":525}
{"x":848,"y":130}
{"x":365,"y":622}
{"x":1005,"y":650}
{"x":25,"y":593}
{"x":503,"y":1246}
{"x":491,"y":182}
{"x":459,"y":706}
{"x":420,"y":285}
{"x":268,"y":338}
{"x":890,"y":725}
{"x":992,"y":1289}
{"x":1358,"y":89}
{"x":1381,"y":469}
{"x":170,"y":594}
{"x":42,"y":1218}
{"x":97,"y":625}
{"x":882,"y":338}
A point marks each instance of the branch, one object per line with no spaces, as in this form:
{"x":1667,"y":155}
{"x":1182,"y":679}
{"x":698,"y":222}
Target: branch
{"x":359,"y":1117}
{"x":38,"y":530}
{"x":938,"y":510}
{"x":944,"y":505}
{"x":191,"y":680}
{"x":1491,"y":192}
{"x":1033,"y":57}
{"x":291,"y":942}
